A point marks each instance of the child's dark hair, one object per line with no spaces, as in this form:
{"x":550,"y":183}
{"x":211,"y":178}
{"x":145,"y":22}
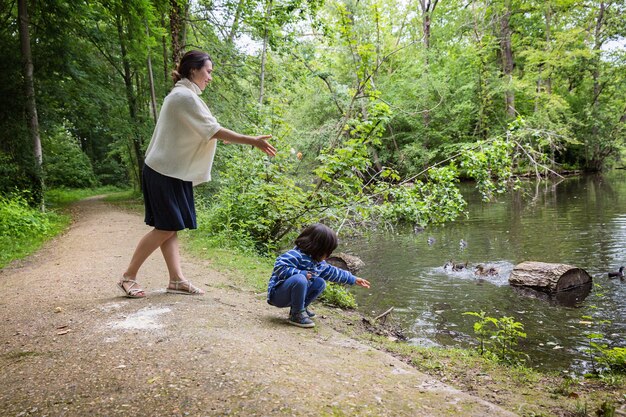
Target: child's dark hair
{"x":318,"y":241}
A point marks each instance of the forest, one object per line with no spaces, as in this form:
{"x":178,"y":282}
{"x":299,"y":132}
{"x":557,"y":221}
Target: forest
{"x":378,"y":108}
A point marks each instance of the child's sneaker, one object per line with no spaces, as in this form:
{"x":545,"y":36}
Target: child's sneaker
{"x":301,"y":319}
{"x":310,"y":313}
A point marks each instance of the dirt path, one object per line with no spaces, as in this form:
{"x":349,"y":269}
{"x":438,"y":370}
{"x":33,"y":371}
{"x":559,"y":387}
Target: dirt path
{"x":71,"y":346}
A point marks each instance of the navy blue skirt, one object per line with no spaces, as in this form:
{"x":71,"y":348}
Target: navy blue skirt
{"x":168,"y":201}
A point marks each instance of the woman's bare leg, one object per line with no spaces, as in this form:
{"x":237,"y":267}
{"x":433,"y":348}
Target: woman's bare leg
{"x":148,"y":244}
{"x":171,"y":253}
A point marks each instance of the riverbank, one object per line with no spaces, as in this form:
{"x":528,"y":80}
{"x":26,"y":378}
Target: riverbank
{"x":73,"y":346}
{"x":525,"y":391}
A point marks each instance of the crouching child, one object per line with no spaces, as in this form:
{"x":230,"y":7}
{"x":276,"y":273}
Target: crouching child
{"x":300,"y":274}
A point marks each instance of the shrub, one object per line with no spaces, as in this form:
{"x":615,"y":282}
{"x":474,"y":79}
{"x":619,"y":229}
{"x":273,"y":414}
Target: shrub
{"x":614,"y":359}
{"x":18,"y":219}
{"x":64,"y":162}
{"x":498,"y":337}
{"x":338,"y":296}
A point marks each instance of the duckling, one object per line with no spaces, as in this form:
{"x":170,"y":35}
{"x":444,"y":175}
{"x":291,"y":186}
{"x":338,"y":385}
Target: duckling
{"x":454,"y":266}
{"x":431,"y":240}
{"x":417,"y":229}
{"x":617,"y":274}
{"x":462,"y":244}
{"x":482,"y":270}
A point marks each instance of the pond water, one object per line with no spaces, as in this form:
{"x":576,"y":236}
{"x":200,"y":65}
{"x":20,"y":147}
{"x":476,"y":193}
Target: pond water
{"x":578,"y":221}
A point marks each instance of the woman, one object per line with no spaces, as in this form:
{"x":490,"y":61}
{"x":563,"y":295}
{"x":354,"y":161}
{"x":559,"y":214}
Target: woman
{"x":179,"y":156}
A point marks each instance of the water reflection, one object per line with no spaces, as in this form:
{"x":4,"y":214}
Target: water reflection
{"x":578,"y":221}
{"x":571,"y":298}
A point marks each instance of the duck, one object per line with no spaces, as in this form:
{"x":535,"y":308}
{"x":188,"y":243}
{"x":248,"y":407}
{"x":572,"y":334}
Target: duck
{"x":431,"y":240}
{"x":617,"y":274}
{"x":454,"y":266}
{"x":462,"y":244}
{"x":482,"y":270}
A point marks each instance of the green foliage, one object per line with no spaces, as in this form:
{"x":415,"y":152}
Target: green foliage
{"x":12,"y":175}
{"x":605,"y":361}
{"x":490,"y":164}
{"x":62,"y":197}
{"x":387,"y":119}
{"x":436,"y":200}
{"x":613,"y":358}
{"x":65,"y":164}
{"x":19,"y":220}
{"x":23,"y":229}
{"x":338,"y":296}
{"x":257,"y":203}
{"x":498,"y":337}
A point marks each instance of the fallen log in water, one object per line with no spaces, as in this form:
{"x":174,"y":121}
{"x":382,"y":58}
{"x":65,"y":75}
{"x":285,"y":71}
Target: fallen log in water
{"x":347,"y":262}
{"x":548,"y":277}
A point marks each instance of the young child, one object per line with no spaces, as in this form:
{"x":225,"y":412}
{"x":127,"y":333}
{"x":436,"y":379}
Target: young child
{"x":300,"y":275}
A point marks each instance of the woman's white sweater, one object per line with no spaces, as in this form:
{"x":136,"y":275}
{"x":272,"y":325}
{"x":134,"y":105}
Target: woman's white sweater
{"x":182,"y":145}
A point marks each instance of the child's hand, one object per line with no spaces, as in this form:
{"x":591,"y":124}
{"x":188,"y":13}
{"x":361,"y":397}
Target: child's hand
{"x":309,"y":275}
{"x":362,"y":282}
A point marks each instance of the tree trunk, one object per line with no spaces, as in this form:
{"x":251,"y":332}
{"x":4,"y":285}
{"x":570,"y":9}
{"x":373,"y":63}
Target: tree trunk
{"x":547,"y":85}
{"x":594,"y":158}
{"x":507,"y":58}
{"x":29,"y":85}
{"x":428,"y":8}
{"x":178,"y":28}
{"x":549,"y":48}
{"x":235,"y":26}
{"x":350,"y":263}
{"x":264,"y":52}
{"x":548,"y":277}
{"x":153,"y":103}
{"x":131,"y":99}
{"x":481,"y":128}
{"x":166,"y":75}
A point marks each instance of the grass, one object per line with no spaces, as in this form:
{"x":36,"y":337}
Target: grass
{"x":520,"y":389}
{"x":62,"y":197}
{"x":248,"y":271}
{"x":18,"y":246}
{"x":524,"y":391}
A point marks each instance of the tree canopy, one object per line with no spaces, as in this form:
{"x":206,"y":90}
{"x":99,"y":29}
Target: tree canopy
{"x":377,"y":107}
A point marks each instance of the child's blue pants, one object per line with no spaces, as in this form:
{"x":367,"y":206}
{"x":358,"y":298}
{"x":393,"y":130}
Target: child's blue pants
{"x":297,"y":292}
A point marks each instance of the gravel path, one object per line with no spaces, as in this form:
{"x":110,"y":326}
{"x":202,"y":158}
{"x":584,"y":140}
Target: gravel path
{"x":72,"y":346}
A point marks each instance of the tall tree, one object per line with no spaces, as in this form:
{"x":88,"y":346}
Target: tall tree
{"x":29,"y":89}
{"x":266,"y":34}
{"x":179,"y":10}
{"x":506,"y":51}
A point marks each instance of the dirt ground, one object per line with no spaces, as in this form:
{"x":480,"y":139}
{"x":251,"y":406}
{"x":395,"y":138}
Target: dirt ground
{"x":71,"y":345}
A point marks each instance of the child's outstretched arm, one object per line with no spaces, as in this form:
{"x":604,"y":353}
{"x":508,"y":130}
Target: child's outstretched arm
{"x":332,"y":273}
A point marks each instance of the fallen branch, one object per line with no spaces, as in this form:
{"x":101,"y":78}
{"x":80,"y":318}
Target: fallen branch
{"x":384,"y":315}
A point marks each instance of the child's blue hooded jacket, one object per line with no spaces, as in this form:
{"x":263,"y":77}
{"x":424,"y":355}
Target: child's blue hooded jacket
{"x":295,"y":262}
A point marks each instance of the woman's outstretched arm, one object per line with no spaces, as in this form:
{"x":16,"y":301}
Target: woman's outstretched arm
{"x":256,"y":141}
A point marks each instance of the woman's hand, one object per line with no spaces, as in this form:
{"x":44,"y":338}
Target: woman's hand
{"x":362,"y":282}
{"x":229,"y":136}
{"x":264,"y":145}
